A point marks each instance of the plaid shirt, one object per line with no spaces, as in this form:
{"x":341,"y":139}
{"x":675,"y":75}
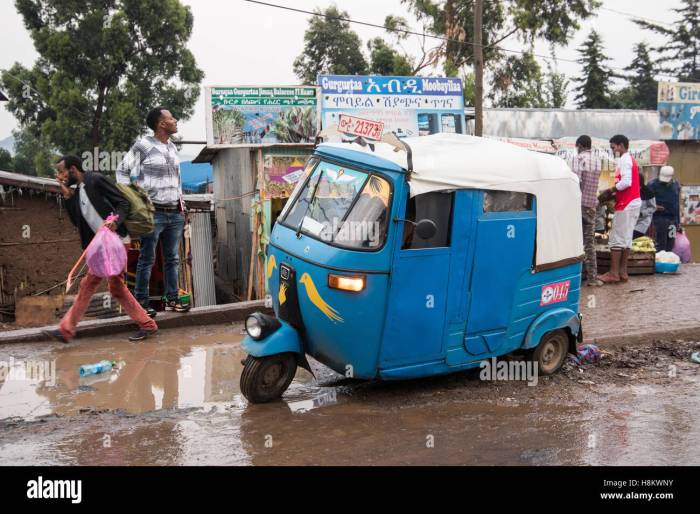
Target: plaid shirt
{"x":156,"y":167}
{"x":587,"y":169}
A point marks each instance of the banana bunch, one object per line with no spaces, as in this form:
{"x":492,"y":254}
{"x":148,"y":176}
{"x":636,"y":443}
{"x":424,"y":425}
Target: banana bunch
{"x":643,"y":244}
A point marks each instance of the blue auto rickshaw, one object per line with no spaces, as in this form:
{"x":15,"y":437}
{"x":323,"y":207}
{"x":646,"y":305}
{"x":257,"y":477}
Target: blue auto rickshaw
{"x":420,"y":258}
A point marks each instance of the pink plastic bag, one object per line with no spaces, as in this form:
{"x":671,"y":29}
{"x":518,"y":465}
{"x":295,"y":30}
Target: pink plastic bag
{"x":106,"y":254}
{"x":682,"y":247}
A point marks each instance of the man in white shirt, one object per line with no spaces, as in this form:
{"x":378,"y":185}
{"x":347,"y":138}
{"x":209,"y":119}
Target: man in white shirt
{"x":627,"y":204}
{"x":154,"y":165}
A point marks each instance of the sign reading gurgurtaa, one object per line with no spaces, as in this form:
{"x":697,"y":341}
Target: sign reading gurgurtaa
{"x":255,"y":115}
{"x":407,"y":106}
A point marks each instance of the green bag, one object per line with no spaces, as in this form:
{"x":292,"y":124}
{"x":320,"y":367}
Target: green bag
{"x":140,"y":220}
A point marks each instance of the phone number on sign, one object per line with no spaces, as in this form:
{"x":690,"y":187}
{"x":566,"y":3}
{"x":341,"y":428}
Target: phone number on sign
{"x":360,"y":127}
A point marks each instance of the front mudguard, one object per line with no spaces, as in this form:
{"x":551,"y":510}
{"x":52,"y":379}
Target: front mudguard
{"x":285,"y":339}
{"x":552,"y":320}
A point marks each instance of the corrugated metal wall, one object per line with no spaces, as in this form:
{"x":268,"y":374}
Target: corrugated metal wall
{"x":202,"y":259}
{"x":233,"y":177}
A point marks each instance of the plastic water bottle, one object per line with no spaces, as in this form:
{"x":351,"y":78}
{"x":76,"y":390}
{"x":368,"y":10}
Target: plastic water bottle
{"x":95,"y":369}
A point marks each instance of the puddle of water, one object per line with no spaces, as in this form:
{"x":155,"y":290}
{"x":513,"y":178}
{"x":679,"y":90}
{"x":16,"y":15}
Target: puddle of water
{"x":183,"y":391}
{"x":185,"y":368}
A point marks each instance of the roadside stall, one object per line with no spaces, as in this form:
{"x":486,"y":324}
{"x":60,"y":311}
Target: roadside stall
{"x":650,"y":156}
{"x":258,"y":140}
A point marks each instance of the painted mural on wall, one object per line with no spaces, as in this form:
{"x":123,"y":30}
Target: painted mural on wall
{"x":282,"y":172}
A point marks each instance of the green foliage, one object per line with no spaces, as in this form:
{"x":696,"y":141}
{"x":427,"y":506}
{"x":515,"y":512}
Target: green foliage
{"x":555,"y":86}
{"x":468,"y":88}
{"x":641,"y":92}
{"x":102,"y":65}
{"x":681,"y":53}
{"x":551,"y":20}
{"x":34,"y":154}
{"x":6,"y":160}
{"x":384,"y":60}
{"x":330,"y":46}
{"x":518,"y":83}
{"x":594,"y":89}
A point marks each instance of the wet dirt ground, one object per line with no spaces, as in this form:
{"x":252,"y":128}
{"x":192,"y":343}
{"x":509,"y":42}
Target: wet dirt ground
{"x":175,"y":399}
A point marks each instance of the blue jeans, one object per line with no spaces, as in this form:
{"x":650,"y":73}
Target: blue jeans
{"x":168,"y":227}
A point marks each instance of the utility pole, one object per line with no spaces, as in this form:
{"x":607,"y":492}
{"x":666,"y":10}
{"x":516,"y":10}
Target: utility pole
{"x":478,"y":69}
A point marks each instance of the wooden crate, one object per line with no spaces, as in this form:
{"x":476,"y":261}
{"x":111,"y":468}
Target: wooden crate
{"x":639,"y":263}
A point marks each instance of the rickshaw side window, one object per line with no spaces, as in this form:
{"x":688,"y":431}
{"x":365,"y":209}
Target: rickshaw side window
{"x":507,"y":201}
{"x":436,"y":206}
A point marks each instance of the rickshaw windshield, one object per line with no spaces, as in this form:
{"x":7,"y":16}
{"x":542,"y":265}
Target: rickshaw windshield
{"x":341,"y":206}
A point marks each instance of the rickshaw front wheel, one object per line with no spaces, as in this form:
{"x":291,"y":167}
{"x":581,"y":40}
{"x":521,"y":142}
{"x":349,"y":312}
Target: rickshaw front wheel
{"x":265,"y":379}
{"x":550,"y":354}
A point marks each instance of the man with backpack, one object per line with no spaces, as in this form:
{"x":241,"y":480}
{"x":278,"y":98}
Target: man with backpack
{"x":93,"y":199}
{"x":153,"y":164}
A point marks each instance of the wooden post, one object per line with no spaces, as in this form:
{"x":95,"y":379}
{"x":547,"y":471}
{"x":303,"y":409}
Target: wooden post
{"x":253,"y":259}
{"x":478,"y":69}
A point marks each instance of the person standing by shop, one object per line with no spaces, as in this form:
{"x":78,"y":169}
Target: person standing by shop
{"x":646,"y":211}
{"x":587,"y":168}
{"x":153,"y":164}
{"x":89,"y":204}
{"x":667,"y":216}
{"x":627,"y":205}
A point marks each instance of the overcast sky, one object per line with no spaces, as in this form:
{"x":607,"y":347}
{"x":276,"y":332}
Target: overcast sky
{"x":239,"y":43}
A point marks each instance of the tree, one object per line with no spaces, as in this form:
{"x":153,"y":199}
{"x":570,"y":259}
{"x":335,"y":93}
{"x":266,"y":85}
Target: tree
{"x":6,"y":161}
{"x":330,"y":47}
{"x":468,"y":88}
{"x":34,"y":154}
{"x":641,"y":91}
{"x":556,"y":85}
{"x":594,"y":89}
{"x":682,"y":52}
{"x":551,"y":20}
{"x":384,"y":60}
{"x":102,"y":66}
{"x":518,"y":83}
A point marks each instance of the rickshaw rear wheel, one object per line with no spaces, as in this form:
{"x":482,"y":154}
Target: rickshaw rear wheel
{"x":551,"y":353}
{"x":265,"y":379}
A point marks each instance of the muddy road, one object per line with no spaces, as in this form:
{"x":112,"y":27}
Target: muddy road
{"x":175,"y":400}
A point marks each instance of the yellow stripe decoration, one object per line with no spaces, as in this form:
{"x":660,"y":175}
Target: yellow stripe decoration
{"x":316,"y":299}
{"x":271,"y":265}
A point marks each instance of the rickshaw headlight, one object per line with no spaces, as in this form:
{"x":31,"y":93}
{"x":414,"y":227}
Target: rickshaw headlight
{"x":354,"y":284}
{"x":259,"y":325}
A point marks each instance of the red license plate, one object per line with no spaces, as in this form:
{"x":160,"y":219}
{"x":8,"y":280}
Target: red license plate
{"x":360,"y":127}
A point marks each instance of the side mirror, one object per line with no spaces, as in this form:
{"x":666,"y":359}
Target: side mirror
{"x":425,"y":229}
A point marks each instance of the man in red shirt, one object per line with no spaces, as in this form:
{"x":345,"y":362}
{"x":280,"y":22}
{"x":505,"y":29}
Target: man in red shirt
{"x":627,"y":205}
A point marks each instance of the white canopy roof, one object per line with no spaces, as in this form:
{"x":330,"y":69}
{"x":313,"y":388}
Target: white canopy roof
{"x":453,"y":161}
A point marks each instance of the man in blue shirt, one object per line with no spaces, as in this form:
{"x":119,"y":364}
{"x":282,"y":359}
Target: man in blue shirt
{"x":667,"y":216}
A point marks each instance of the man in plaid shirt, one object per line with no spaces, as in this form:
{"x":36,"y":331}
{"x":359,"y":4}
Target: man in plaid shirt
{"x":587,"y":168}
{"x":153,"y":164}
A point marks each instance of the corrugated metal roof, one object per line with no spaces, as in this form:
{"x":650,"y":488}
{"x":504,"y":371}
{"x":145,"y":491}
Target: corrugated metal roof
{"x":28,"y":181}
{"x":558,"y":123}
